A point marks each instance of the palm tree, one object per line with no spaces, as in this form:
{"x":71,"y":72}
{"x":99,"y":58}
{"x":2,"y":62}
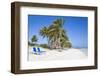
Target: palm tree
{"x":56,"y":34}
{"x":45,"y":33}
{"x":34,"y":39}
{"x":57,"y":31}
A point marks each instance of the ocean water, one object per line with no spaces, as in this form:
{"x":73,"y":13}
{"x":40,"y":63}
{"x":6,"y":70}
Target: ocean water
{"x":85,"y":50}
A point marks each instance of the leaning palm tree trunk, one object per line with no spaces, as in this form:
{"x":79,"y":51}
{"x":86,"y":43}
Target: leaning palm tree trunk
{"x":59,"y":41}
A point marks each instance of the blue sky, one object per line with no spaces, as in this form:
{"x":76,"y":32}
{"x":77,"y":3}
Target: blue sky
{"x":76,"y":28}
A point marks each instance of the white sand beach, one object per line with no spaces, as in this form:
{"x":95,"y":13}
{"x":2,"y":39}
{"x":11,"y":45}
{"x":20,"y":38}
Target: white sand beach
{"x":66,"y":54}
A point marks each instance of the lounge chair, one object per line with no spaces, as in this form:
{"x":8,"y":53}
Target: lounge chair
{"x":34,"y":50}
{"x":38,"y":49}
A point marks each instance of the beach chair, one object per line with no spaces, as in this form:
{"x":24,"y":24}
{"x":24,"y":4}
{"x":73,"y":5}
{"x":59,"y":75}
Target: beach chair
{"x":34,"y":50}
{"x":40,"y":51}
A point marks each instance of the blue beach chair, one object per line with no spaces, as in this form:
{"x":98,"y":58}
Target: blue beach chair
{"x":34,"y":50}
{"x":38,"y":49}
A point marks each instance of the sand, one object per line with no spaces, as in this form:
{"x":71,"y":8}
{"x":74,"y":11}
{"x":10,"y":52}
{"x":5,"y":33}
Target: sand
{"x":66,"y":54}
